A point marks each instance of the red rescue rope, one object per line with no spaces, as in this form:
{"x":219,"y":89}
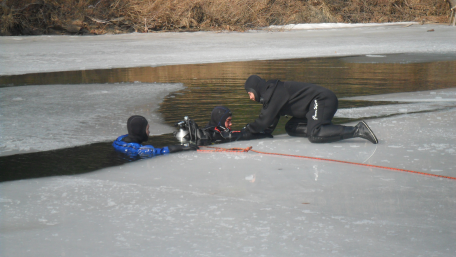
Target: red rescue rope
{"x":244,"y":150}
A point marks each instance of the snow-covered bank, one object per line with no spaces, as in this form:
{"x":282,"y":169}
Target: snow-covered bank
{"x":32,"y":54}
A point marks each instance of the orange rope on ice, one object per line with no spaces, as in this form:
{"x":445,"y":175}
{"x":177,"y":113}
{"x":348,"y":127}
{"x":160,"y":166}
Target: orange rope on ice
{"x":247,"y":149}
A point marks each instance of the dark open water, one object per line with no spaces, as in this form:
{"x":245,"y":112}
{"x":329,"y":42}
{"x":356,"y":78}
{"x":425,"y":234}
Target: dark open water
{"x":209,"y":85}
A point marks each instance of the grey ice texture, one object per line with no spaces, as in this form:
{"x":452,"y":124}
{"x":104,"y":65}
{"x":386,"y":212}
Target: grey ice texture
{"x":420,"y":101}
{"x":248,"y":204}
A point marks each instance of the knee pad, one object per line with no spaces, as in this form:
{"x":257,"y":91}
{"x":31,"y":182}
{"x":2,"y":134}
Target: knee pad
{"x":296,"y":128}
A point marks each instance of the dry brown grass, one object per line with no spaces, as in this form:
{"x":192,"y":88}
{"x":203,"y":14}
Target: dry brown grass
{"x":25,"y":17}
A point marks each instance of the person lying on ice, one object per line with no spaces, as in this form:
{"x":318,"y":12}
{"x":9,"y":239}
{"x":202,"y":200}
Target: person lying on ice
{"x":218,"y":130}
{"x":138,"y":132}
{"x":311,"y":106}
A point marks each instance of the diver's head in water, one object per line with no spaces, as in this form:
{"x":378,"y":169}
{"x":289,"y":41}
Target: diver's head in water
{"x":220,"y":117}
{"x":138,"y":129}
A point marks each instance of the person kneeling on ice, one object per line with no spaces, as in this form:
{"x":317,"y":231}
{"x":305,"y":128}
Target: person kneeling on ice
{"x":311,"y":106}
{"x":138,"y":132}
{"x":218,"y":130}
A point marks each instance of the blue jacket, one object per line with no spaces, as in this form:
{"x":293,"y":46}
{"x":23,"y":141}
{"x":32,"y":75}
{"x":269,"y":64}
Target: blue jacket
{"x":135,"y":149}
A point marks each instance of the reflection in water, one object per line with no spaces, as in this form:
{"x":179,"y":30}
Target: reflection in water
{"x":209,"y":85}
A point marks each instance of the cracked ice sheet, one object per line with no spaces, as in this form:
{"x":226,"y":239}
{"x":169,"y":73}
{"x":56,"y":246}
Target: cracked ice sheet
{"x":419,"y":101}
{"x":72,"y":115}
{"x":226,"y":204}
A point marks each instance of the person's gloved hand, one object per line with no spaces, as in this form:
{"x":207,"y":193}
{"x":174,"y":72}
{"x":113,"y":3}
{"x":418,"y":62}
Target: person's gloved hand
{"x":184,"y":147}
{"x":248,"y":135}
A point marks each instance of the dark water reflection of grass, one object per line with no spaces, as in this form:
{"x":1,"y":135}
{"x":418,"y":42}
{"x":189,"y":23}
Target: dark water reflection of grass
{"x":209,"y":85}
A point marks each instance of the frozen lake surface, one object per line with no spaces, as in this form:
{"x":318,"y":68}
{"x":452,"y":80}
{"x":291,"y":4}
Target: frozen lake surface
{"x":32,"y":54}
{"x":231,"y":204}
{"x":237,"y":204}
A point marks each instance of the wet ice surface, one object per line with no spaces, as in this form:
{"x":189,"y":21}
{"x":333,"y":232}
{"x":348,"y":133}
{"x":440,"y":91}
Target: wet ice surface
{"x":420,"y":101}
{"x":47,"y":117}
{"x":385,"y":110}
{"x":231,"y":204}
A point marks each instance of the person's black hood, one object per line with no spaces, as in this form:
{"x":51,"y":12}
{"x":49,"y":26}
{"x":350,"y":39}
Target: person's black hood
{"x":218,"y":116}
{"x":262,"y":89}
{"x":136,"y":126}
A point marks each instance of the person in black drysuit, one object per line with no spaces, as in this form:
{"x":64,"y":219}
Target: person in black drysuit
{"x":219,"y":127}
{"x":311,"y":106}
{"x":138,"y":132}
{"x":218,"y":130}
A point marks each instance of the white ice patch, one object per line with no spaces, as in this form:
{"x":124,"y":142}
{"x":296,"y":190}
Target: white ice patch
{"x":335,"y":25}
{"x":375,"y":55}
{"x":47,"y":117}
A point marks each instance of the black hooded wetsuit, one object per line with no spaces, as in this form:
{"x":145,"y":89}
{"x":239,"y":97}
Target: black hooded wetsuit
{"x":136,"y":126}
{"x":216,"y":129}
{"x":311,"y":106}
{"x":216,"y":132}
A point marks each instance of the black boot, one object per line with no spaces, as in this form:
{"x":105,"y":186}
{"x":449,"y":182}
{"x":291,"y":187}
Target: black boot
{"x":363,"y":131}
{"x":331,"y":133}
